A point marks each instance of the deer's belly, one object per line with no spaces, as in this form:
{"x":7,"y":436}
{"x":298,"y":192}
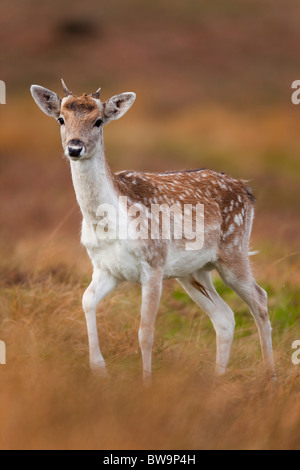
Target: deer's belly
{"x":181,"y":263}
{"x":119,"y":259}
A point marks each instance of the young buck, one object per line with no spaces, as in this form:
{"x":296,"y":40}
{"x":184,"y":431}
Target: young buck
{"x":228,"y":216}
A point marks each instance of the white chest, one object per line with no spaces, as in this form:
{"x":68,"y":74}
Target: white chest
{"x":115,"y":256}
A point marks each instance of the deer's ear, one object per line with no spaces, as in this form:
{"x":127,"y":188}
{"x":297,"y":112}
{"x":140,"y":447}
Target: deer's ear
{"x":47,"y":100}
{"x":117,"y":106}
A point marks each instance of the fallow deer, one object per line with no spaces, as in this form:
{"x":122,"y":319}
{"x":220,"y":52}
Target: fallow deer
{"x":228,"y":210}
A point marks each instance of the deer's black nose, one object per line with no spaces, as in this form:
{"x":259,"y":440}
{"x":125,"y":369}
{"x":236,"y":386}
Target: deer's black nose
{"x":74,"y":151}
{"x":75,"y":147}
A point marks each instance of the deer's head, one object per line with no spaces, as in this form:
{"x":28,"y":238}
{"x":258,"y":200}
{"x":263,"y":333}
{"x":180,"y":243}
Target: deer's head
{"x":81,"y":118}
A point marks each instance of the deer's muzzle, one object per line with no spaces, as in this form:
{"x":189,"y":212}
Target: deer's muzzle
{"x":75,"y":148}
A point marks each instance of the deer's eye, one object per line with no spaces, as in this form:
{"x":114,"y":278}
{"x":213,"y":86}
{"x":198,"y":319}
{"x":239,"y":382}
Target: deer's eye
{"x":98,"y":123}
{"x":61,"y":121}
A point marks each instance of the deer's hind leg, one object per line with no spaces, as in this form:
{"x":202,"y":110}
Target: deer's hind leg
{"x":200,"y":288}
{"x":237,"y":274}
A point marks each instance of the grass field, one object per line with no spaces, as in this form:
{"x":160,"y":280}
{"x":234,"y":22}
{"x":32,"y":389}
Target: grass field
{"x":201,"y":102}
{"x":49,"y":399}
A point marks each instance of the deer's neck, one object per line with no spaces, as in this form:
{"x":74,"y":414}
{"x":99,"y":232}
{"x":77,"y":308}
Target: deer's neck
{"x":94,"y":185}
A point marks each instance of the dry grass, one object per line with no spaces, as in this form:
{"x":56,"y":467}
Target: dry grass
{"x":49,"y":399}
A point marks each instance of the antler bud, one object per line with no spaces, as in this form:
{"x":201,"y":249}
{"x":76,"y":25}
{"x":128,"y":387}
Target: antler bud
{"x":97,"y":94}
{"x":66,"y":90}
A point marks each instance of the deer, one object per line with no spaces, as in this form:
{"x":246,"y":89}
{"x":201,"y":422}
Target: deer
{"x":229,"y":207}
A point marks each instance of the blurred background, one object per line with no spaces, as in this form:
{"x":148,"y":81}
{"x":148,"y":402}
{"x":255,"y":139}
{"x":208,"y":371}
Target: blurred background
{"x":213,"y":83}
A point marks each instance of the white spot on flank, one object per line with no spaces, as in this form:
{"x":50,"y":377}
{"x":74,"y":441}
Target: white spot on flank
{"x":229,"y":231}
{"x":237,"y":220}
{"x":222,"y":185}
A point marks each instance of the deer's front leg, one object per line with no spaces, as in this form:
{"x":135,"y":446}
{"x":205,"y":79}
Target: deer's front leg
{"x":100,"y":286}
{"x":151,"y":292}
